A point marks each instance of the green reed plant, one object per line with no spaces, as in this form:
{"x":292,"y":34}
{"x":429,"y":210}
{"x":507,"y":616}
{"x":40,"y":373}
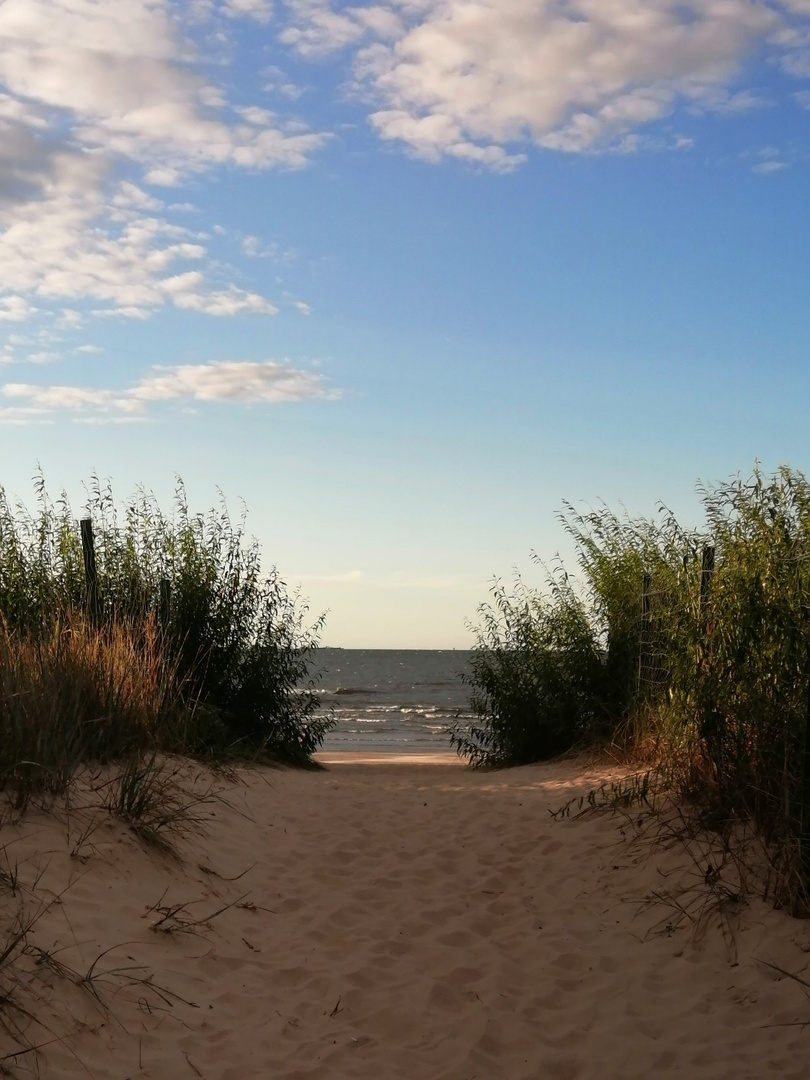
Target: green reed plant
{"x":535,"y":675}
{"x":239,"y":641}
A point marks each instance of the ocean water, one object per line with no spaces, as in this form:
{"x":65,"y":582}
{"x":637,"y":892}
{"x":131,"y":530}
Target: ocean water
{"x":391,"y":699}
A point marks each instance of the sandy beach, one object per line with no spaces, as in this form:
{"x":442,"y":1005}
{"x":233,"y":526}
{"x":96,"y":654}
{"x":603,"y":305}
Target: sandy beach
{"x":399,"y":918}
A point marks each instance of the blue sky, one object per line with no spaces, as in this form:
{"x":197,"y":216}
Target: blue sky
{"x":404,"y":276}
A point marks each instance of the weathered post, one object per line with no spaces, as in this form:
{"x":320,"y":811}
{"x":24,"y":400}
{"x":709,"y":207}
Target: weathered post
{"x":165,"y":602}
{"x":90,"y":574}
{"x":706,"y":571}
{"x":646,"y":608}
{"x":711,"y":723}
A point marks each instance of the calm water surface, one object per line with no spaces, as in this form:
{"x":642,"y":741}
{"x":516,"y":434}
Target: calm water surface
{"x":391,"y":699}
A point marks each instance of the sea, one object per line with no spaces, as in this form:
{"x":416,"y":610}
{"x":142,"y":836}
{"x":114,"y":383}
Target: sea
{"x":397,"y":700}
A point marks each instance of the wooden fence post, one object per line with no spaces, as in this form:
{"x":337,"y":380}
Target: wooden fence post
{"x":646,"y":607}
{"x":706,"y":571}
{"x":90,"y":574}
{"x":165,"y":602}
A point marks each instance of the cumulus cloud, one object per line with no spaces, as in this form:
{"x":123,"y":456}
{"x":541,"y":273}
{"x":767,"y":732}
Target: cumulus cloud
{"x":475,"y":79}
{"x":317,"y":29}
{"x":118,"y":72}
{"x":88,"y":90}
{"x":14,"y":309}
{"x":243,"y":382}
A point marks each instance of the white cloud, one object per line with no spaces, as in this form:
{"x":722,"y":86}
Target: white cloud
{"x":17,"y":417}
{"x":278,"y":82}
{"x":242,"y":382}
{"x":743,"y":101}
{"x":89,"y":89}
{"x":770,"y":161}
{"x":231,"y":301}
{"x":119,"y":71}
{"x":89,"y":349}
{"x":349,"y":577}
{"x":475,"y":79}
{"x":69,"y":245}
{"x":802,"y":97}
{"x":15,"y":309}
{"x":317,"y":29}
{"x":261,"y":10}
{"x":69,"y":319}
{"x":130,"y":195}
{"x":765,"y":168}
{"x":797,"y":63}
{"x":251,"y":246}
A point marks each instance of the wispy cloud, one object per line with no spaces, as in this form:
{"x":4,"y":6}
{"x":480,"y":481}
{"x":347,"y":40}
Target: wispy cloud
{"x":349,"y":577}
{"x":770,"y":160}
{"x":261,"y":10}
{"x":241,"y":382}
{"x":765,"y":168}
{"x":475,"y":79}
{"x":396,"y":581}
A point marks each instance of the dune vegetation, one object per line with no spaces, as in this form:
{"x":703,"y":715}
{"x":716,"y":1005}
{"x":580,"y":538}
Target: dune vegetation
{"x":689,"y":648}
{"x":174,"y":640}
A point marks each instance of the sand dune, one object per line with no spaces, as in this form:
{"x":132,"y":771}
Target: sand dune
{"x":394,"y":919}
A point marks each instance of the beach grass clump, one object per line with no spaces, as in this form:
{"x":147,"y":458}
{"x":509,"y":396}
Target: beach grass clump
{"x":81,"y":693}
{"x":151,"y":795}
{"x":183,"y":643}
{"x":690,"y":647}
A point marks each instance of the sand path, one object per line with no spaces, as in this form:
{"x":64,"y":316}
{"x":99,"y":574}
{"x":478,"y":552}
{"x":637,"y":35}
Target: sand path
{"x":403,"y":921}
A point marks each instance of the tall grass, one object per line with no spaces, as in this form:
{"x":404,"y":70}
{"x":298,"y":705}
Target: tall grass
{"x":83,"y":693}
{"x":707,"y":675}
{"x":193,"y":648}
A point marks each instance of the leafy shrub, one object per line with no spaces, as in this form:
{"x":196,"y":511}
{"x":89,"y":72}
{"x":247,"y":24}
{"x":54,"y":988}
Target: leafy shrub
{"x":536,"y":676}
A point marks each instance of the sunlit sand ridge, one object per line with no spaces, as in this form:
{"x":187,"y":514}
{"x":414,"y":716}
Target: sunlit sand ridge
{"x":389,"y":918}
